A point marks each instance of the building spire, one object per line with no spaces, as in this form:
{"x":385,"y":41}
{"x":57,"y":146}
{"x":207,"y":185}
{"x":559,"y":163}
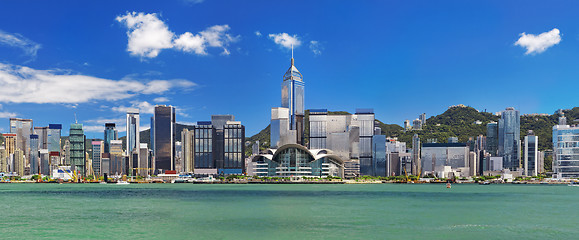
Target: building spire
{"x":292,"y":54}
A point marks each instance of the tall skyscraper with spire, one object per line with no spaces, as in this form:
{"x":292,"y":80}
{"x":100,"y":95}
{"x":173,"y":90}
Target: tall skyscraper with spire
{"x":292,"y":98}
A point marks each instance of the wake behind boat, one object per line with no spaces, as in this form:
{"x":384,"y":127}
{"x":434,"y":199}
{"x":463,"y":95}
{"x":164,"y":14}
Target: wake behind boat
{"x":122,"y":183}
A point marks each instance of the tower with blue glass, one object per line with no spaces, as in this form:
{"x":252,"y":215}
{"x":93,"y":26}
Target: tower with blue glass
{"x":292,"y":98}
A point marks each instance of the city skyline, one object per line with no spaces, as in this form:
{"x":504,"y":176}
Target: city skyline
{"x":98,"y":60}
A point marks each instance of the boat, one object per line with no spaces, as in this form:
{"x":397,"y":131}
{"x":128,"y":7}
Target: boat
{"x":103,"y":182}
{"x":573,"y":184}
{"x":448,"y":185}
{"x":484,"y":183}
{"x":122,"y":183}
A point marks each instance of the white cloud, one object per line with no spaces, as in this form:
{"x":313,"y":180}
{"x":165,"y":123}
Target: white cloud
{"x":258,"y":33}
{"x":58,"y":86}
{"x":188,"y":42}
{"x":19,"y":41}
{"x":539,"y":43}
{"x":194,"y":1}
{"x":161,"y":99}
{"x":143,"y":106}
{"x":7,"y":114}
{"x":285,"y":40}
{"x":316,"y":47}
{"x":148,"y":35}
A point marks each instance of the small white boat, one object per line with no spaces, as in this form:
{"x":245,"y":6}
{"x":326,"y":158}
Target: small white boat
{"x":122,"y":183}
{"x":103,"y":182}
{"x":573,"y":184}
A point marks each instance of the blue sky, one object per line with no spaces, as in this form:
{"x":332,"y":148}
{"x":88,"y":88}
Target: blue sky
{"x":402,"y":58}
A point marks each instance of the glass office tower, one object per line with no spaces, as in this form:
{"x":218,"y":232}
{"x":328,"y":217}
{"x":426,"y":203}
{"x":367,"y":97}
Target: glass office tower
{"x":531,"y":154}
{"x":292,"y":97}
{"x":510,"y":138}
{"x":565,"y":151}
{"x":34,"y":154}
{"x":110,"y":134}
{"x":492,"y":138}
{"x":23,"y":129}
{"x":133,"y":139}
{"x":203,"y":141}
{"x":163,"y":135}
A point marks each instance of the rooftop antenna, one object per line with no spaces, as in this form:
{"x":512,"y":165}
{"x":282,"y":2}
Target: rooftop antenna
{"x":75,"y":120}
{"x":292,"y":54}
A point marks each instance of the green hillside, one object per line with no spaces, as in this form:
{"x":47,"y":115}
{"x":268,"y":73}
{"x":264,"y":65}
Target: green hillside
{"x":461,"y":122}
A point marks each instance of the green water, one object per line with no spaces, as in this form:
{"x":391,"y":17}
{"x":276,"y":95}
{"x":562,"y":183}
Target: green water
{"x":377,"y":211}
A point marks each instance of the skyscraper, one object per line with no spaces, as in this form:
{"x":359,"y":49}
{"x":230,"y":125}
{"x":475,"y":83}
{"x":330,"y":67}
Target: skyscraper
{"x":218,"y":146}
{"x":492,"y":138}
{"x":364,"y":118}
{"x":117,"y":164}
{"x":565,"y":148}
{"x":23,"y":128}
{"x":416,"y":161}
{"x":163,"y":129}
{"x":379,"y":155}
{"x":110,"y":134}
{"x":97,"y":150}
{"x":77,"y":149}
{"x":53,"y":144}
{"x":34,"y":154}
{"x":133,"y":140}
{"x":187,"y":155}
{"x":510,"y":138}
{"x":292,"y":98}
{"x":531,"y":154}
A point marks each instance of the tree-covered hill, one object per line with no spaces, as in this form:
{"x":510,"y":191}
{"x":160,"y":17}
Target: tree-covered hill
{"x":458,"y":121}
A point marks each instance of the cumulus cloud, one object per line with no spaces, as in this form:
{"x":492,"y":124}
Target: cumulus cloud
{"x":258,"y":33}
{"x":316,"y":47}
{"x":16,"y":40}
{"x":161,"y":99}
{"x":7,"y":114}
{"x":58,"y":86}
{"x":143,"y":106}
{"x":285,"y":40}
{"x":539,"y":43}
{"x":148,"y":35}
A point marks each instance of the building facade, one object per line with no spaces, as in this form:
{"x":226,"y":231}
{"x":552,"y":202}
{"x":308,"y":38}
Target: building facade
{"x":97,"y":151}
{"x":218,"y":146}
{"x":294,"y":160}
{"x":492,"y":138}
{"x":509,"y":146}
{"x":34,"y":155}
{"x":23,"y":128}
{"x":292,"y":98}
{"x":531,"y":155}
{"x":133,"y":140}
{"x":77,"y":149}
{"x":565,"y":151}
{"x":111,"y":133}
{"x":162,"y":138}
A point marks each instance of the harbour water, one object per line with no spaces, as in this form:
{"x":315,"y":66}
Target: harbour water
{"x":360,"y":211}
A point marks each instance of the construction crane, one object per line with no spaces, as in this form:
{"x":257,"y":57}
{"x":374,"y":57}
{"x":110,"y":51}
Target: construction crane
{"x":72,"y":176}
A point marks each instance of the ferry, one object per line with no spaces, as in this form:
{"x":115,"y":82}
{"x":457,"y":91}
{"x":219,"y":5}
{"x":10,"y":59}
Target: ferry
{"x":122,"y":182}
